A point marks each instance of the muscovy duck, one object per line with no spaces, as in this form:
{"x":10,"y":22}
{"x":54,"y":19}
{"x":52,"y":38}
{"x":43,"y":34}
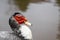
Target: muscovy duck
{"x":19,"y":25}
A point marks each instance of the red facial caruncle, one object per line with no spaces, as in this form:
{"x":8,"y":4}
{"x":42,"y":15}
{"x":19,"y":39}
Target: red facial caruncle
{"x":20,"y":19}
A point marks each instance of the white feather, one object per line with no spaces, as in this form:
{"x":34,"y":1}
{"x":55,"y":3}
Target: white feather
{"x":26,"y":32}
{"x":4,"y":34}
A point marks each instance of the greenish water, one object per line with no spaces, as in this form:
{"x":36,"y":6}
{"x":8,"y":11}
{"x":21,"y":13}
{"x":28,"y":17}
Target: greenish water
{"x":23,"y":4}
{"x":58,"y":2}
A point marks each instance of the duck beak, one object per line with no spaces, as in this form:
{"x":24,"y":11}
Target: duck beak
{"x":28,"y":23}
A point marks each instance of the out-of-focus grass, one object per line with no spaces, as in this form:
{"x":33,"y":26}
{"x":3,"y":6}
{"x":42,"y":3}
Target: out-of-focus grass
{"x":58,"y":2}
{"x":22,"y":4}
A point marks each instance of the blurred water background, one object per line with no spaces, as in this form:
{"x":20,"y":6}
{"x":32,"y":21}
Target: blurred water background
{"x":43,"y":16}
